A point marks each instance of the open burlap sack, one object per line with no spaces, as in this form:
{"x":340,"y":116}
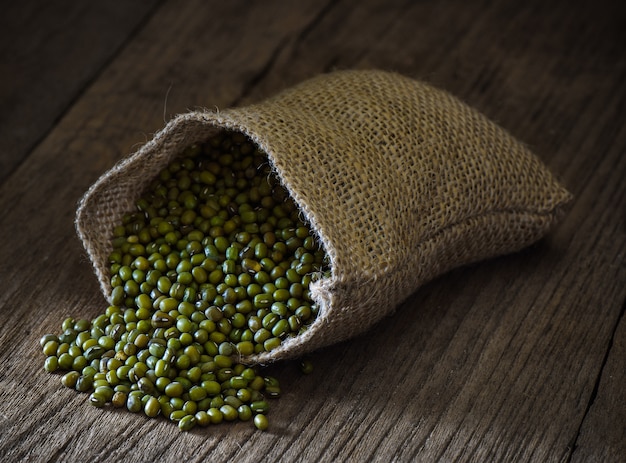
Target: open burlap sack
{"x":400,"y":181}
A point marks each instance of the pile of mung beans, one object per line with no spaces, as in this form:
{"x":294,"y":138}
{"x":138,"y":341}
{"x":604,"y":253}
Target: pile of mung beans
{"x":213,"y":265}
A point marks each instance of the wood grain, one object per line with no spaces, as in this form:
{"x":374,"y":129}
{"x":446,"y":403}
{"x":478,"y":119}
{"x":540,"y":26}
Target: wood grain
{"x":50,"y":53}
{"x":603,"y":431}
{"x":520,"y":358}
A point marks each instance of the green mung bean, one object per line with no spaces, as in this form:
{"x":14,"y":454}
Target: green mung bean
{"x":152,"y":407}
{"x":119,"y":399}
{"x":202,"y":418}
{"x":97,"y":400}
{"x":261,"y":422}
{"x":51,"y":347}
{"x":51,"y":364}
{"x":84,"y":383}
{"x":187,"y":423}
{"x":306,"y":366}
{"x":215,"y":263}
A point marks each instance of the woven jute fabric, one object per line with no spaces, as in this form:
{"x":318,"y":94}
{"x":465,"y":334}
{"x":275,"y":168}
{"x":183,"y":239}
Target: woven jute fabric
{"x":400,"y":181}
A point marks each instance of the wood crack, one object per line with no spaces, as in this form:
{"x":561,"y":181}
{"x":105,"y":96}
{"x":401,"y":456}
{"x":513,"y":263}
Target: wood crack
{"x":568,"y":454}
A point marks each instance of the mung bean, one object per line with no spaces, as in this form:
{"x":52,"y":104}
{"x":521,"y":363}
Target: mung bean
{"x":213,"y":265}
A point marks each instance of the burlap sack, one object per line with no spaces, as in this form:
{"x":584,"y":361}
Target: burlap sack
{"x":400,"y":181}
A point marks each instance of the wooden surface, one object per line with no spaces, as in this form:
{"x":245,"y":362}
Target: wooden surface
{"x":520,"y":358}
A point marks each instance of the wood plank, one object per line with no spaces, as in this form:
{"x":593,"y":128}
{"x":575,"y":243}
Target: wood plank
{"x":50,"y":53}
{"x":494,"y":362}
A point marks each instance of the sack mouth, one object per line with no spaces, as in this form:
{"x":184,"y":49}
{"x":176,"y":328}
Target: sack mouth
{"x":137,"y":169}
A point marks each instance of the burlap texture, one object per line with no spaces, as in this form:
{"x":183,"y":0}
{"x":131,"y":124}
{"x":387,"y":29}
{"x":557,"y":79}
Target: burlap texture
{"x":400,"y":181}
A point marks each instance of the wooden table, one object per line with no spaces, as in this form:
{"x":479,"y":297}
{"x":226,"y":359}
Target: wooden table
{"x":520,"y":358}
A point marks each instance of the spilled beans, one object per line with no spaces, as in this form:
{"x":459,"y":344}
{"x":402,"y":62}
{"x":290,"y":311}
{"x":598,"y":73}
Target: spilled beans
{"x":213,"y":265}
